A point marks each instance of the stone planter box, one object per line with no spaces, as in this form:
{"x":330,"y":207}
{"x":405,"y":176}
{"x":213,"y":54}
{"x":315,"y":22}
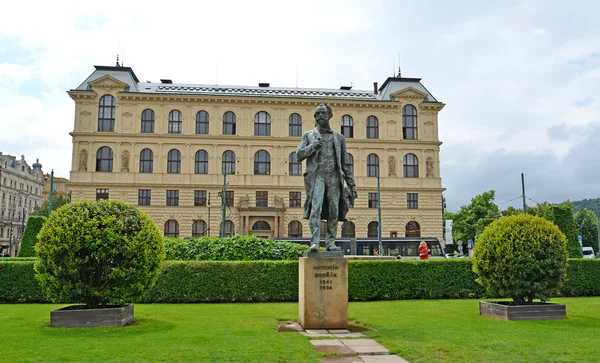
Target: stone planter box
{"x":536,"y":311}
{"x":77,"y":316}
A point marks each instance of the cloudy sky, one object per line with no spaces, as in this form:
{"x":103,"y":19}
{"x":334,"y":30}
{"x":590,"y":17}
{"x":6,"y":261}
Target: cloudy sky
{"x":520,"y":79}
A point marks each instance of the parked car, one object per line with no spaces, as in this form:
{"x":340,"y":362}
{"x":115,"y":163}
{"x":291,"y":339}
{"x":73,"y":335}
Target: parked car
{"x":588,"y":252}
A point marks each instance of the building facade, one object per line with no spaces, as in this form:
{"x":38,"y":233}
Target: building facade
{"x":168,"y":147}
{"x":20,"y":192}
{"x":60,"y":185}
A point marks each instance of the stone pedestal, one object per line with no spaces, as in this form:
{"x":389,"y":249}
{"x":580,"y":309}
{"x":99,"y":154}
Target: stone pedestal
{"x":323,"y":291}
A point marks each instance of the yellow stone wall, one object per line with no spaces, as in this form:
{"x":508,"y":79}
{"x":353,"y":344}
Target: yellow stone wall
{"x":123,"y":183}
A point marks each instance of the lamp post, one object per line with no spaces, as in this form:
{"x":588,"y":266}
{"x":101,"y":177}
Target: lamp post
{"x":51,"y":192}
{"x":379,"y":216}
{"x":208,"y":228}
{"x":223,"y":205}
{"x":10,"y":234}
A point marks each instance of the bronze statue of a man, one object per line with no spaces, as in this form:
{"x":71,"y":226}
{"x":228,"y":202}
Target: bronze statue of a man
{"x":327,"y":168}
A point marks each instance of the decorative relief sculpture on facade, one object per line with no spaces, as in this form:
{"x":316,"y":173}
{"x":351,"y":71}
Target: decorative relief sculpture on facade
{"x":125,"y":160}
{"x":83,"y":160}
{"x":244,"y":202}
{"x":279,"y":203}
{"x":429,"y":167}
{"x":392,"y":162}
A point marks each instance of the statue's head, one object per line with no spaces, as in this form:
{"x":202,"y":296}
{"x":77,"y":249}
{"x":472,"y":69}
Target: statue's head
{"x":323,"y":114}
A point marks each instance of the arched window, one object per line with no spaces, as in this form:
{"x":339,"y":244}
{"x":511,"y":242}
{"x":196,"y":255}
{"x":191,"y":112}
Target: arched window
{"x":348,"y":230}
{"x":413,"y":229}
{"x":229,"y":123}
{"x":171,"y":228}
{"x":262,"y":124}
{"x":106,"y":113}
{"x":202,"y":122}
{"x":323,"y":233}
{"x":411,"y":166}
{"x":229,"y":228}
{"x":295,"y":122}
{"x":262,"y":163}
{"x":372,"y":127}
{"x":350,"y":162}
{"x":372,"y":165}
{"x":104,"y":159}
{"x":295,"y":166}
{"x":174,"y":162}
{"x":148,"y":121}
{"x":347,"y":126}
{"x":228,"y":163}
{"x":409,"y":122}
{"x":372,"y":230}
{"x":199,"y":228}
{"x":295,"y":229}
{"x":146,"y":161}
{"x":261,"y":226}
{"x":175,"y":124}
{"x":201,"y":165}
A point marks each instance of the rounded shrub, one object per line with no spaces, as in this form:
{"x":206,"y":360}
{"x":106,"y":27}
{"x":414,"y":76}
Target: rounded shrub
{"x":32,"y":228}
{"x":523,"y":257}
{"x":98,"y":253}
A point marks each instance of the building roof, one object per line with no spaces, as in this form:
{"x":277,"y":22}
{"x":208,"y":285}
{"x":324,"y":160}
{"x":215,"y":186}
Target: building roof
{"x":126,"y":75}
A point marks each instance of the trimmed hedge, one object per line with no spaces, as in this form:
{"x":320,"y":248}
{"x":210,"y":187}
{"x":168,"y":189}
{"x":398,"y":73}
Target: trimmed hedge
{"x":262,"y":281}
{"x":32,"y":228}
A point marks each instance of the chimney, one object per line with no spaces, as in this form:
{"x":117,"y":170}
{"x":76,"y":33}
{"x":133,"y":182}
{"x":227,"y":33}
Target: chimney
{"x":375,"y":87}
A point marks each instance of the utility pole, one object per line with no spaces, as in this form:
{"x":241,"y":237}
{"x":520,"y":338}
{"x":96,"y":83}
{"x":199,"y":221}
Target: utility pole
{"x":22,"y":223}
{"x":379,"y":216}
{"x":523,"y":186}
{"x":10,"y":240}
{"x":51,"y":192}
{"x":223,"y":205}
{"x":598,"y":220}
{"x":208,"y":228}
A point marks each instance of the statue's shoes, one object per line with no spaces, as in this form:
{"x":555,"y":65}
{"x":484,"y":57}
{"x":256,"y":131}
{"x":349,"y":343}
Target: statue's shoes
{"x":333,"y":248}
{"x":314,"y":247}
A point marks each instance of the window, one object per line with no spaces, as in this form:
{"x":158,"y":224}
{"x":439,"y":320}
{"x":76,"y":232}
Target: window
{"x":104,"y":159}
{"x":295,"y":122}
{"x":295,"y":229}
{"x":144,"y":196}
{"x":347,"y":127}
{"x":350,"y":162}
{"x":229,"y":198}
{"x":372,"y":127}
{"x":175,"y":124}
{"x":294,"y":166}
{"x":202,"y":122}
{"x":261,"y":226}
{"x":201,"y":165}
{"x":101,"y":194}
{"x":262,"y":199}
{"x":409,"y":122}
{"x":348,"y":230}
{"x":229,"y":123}
{"x":172,"y":228}
{"x":295,"y":199}
{"x":228,"y":163}
{"x":413,"y":229}
{"x":229,"y":229}
{"x":172,"y":198}
{"x":199,"y":198}
{"x":148,"y":121}
{"x":106,"y":113}
{"x":174,"y":162}
{"x":262,"y":124}
{"x":372,"y":165}
{"x":262,"y":163}
{"x":372,"y":230}
{"x":146,"y":161}
{"x":412,"y":200}
{"x":199,"y":228}
{"x":373,"y":200}
{"x":411,"y":166}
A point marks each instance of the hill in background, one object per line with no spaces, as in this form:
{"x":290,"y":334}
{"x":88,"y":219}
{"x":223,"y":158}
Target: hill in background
{"x":584,"y":203}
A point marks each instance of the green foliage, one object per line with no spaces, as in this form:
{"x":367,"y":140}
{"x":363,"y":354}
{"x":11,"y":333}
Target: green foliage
{"x":471,"y":220}
{"x":562,"y":216}
{"x":587,"y":228}
{"x":583,"y":275}
{"x":98,"y":253}
{"x":511,"y":211}
{"x":58,"y":200}
{"x":33,"y":227}
{"x":523,"y":257}
{"x":18,"y":283}
{"x":235,"y":248}
{"x":589,"y":204}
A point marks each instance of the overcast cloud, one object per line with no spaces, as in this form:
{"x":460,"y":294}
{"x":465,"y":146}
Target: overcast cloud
{"x":519,"y":78}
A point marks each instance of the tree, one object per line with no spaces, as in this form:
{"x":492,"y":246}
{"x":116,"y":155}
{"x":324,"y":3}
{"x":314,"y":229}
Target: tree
{"x":472,"y":219}
{"x":98,"y":253}
{"x":523,"y":257}
{"x":32,"y":228}
{"x":587,"y":227}
{"x":562,"y":216}
{"x":58,"y":200}
{"x":511,"y":211}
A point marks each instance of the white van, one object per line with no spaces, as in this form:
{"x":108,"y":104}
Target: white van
{"x":588,"y":252}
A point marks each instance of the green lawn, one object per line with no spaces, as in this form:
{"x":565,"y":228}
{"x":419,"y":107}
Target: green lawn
{"x":417,"y":330}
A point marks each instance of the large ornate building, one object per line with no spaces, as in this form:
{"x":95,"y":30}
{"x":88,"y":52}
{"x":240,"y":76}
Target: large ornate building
{"x":167,"y":147}
{"x":21,"y":189}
